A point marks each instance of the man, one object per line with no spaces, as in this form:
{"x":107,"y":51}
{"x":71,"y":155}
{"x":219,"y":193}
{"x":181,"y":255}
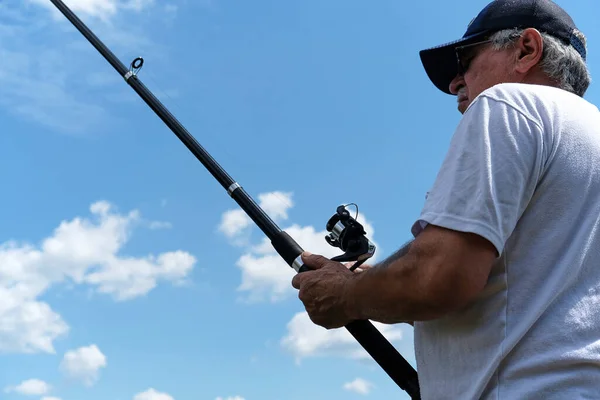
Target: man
{"x":502,"y":280}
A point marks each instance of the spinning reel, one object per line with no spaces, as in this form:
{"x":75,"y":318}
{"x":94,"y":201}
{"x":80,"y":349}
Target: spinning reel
{"x":349,"y":235}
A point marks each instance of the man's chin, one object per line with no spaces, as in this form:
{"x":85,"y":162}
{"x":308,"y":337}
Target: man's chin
{"x":462,"y":106}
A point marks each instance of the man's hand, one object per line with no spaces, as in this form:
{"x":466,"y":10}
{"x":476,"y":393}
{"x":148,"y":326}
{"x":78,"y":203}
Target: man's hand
{"x":323,"y":290}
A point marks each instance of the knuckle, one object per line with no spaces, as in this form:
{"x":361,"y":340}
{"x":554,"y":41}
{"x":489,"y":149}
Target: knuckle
{"x":302,"y":295}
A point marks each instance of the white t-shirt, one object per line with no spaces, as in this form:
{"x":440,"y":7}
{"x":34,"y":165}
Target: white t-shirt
{"x":523,"y":171}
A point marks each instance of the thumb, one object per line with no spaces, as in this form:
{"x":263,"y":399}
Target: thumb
{"x":314,"y":261}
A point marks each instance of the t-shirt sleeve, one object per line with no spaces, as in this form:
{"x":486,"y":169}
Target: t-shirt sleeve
{"x":489,"y":174}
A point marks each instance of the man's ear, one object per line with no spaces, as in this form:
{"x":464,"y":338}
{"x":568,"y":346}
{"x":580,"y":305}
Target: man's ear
{"x":530,"y":48}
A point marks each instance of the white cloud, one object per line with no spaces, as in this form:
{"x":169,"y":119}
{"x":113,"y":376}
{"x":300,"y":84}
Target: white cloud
{"x":265,"y":275}
{"x":152,"y":394}
{"x":102,"y":9}
{"x":27,"y":325}
{"x":31,"y":387}
{"x":359,"y":386}
{"x":235,"y":223}
{"x":230,"y":398}
{"x":84,"y":251}
{"x":125,"y":279}
{"x":276,"y":204}
{"x":305,"y":339}
{"x":84,"y":364}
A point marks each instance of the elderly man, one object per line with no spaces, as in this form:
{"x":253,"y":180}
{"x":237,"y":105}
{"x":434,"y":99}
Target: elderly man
{"x":502,"y":280}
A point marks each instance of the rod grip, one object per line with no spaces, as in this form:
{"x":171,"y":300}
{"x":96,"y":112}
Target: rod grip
{"x":287,"y":248}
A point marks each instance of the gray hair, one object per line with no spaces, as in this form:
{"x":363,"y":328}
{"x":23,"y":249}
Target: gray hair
{"x":561,"y":62}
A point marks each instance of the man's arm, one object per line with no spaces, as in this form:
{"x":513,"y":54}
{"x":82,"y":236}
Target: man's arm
{"x":394,"y":257}
{"x":439,"y":272}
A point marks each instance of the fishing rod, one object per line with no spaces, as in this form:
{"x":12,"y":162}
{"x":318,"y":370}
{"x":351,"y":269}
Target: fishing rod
{"x":345,"y":232}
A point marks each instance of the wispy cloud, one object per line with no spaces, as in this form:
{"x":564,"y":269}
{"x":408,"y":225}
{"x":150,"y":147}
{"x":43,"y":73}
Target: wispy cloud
{"x":52,"y":76}
{"x":35,"y":81}
{"x":102,"y":9}
{"x":159,"y":225}
{"x":170,"y":13}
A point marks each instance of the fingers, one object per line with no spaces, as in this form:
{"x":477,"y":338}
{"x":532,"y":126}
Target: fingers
{"x":300,"y":278}
{"x":297,"y":280}
{"x":314,"y":261}
{"x":363,"y":268}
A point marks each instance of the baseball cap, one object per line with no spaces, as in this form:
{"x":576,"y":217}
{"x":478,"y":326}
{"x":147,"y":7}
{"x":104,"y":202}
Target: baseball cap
{"x":440,"y":62}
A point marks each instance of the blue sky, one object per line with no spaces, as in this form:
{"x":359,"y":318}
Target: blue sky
{"x":126,"y":272}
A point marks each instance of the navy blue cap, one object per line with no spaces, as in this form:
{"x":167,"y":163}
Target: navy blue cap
{"x":440,"y":62}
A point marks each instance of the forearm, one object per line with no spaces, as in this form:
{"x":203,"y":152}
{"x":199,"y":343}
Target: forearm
{"x":394,"y":257}
{"x":392,"y":291}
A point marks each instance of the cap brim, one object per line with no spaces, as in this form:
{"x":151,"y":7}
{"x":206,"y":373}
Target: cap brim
{"x":440,"y":62}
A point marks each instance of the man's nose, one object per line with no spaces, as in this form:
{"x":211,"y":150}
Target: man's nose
{"x":456,"y":84}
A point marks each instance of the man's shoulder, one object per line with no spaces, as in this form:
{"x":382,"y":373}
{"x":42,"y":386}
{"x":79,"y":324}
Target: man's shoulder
{"x":526,"y":94}
{"x":533,"y":101}
{"x":523,"y":88}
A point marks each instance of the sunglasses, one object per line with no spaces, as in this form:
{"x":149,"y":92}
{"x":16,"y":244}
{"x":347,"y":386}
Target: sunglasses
{"x":465,"y":54}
